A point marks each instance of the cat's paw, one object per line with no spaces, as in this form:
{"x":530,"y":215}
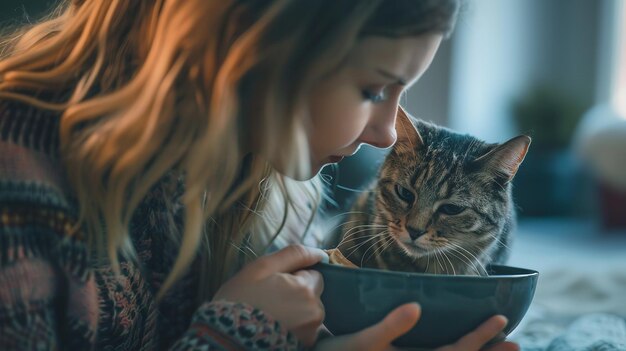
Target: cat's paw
{"x":336,"y":257}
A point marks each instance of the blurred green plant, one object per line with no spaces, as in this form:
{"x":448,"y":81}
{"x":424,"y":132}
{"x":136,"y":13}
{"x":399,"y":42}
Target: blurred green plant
{"x":548,"y":115}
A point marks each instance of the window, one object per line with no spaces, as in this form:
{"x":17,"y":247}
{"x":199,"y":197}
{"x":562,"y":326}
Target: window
{"x":618,"y":97}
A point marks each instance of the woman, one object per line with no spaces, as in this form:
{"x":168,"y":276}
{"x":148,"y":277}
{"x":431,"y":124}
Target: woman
{"x":148,"y":149}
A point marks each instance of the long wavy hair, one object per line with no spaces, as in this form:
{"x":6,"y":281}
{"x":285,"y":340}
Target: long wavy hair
{"x":209,"y":89}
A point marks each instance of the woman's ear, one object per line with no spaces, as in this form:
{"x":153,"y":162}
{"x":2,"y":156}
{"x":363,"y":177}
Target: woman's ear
{"x":408,"y":135}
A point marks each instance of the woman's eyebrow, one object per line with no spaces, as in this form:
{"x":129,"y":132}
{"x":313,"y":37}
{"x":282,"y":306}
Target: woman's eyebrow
{"x":391,"y":76}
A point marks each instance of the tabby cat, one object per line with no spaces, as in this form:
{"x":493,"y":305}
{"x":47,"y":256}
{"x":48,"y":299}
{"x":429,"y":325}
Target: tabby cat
{"x":441,"y":204}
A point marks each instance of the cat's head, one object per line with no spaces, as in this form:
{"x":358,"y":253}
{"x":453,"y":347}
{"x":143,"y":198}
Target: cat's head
{"x":440,"y":191}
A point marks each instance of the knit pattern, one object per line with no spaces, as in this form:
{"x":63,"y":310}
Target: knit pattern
{"x":53,"y":296}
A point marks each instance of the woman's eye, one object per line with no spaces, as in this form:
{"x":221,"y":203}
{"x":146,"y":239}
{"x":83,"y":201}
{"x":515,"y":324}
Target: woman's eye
{"x":451,"y":210}
{"x":375,"y":96}
{"x":404,"y":194}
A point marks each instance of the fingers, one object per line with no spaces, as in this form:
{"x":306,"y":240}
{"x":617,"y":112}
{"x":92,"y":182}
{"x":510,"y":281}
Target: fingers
{"x":312,"y":279}
{"x":312,"y":282}
{"x":307,"y":335}
{"x":396,"y":323}
{"x":288,"y":260}
{"x":485,"y":332}
{"x":504,"y":346}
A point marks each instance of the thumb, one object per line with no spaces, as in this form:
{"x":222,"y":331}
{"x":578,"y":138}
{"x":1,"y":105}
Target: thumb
{"x":396,"y":323}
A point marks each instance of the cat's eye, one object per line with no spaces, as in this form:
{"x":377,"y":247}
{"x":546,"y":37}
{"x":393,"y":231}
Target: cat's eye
{"x":450,"y":209}
{"x":404,"y":194}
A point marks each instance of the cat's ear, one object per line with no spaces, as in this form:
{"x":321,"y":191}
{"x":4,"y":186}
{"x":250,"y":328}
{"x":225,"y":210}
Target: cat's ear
{"x":504,"y":160}
{"x":408,"y":136}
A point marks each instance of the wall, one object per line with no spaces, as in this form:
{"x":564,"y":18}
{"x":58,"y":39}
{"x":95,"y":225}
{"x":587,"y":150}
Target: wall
{"x":503,"y":48}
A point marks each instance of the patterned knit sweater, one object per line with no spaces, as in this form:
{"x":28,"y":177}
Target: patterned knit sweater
{"x":52,"y":297}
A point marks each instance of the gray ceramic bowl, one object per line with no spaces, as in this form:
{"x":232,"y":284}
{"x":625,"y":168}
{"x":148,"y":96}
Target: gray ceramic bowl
{"x":452,"y":306}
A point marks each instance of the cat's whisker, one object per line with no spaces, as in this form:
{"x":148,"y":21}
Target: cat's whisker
{"x":443,"y":262}
{"x":499,"y":240}
{"x":353,"y":190}
{"x":471,"y":256}
{"x":360,"y":229}
{"x":452,"y":253}
{"x":444,"y":258}
{"x":357,"y":246}
{"x":357,"y":238}
{"x":368,"y":226}
{"x":342,"y":224}
{"x":353,"y":213}
{"x":446,"y":154}
{"x":388,"y":241}
{"x":465,"y":260}
{"x":365,"y":224}
{"x":382,"y":238}
{"x":437,"y":253}
{"x":449,"y":261}
{"x":437,"y":257}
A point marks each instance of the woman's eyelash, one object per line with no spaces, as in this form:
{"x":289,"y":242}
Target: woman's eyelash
{"x":374,"y":97}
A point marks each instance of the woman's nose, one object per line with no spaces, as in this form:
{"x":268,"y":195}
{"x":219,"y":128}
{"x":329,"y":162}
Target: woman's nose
{"x":381,"y":131}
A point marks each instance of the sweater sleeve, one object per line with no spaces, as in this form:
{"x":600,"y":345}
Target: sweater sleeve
{"x":48,"y":297}
{"x":27,"y":289}
{"x":36,"y":285}
{"x":224,"y":325}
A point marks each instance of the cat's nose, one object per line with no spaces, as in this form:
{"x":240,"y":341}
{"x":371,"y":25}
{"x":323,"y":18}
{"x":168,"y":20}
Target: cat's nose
{"x":415,"y":233}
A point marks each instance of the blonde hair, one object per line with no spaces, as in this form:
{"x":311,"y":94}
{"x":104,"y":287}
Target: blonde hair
{"x":147,"y":87}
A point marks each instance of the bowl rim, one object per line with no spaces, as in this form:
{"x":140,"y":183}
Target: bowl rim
{"x":524,"y":272}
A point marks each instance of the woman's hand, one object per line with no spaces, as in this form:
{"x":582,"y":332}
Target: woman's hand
{"x":377,"y":337}
{"x":277,"y":285}
{"x":399,"y":321}
{"x":477,"y":339}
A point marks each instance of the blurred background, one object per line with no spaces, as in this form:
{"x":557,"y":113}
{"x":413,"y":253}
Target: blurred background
{"x":552,"y":69}
{"x":555,"y":70}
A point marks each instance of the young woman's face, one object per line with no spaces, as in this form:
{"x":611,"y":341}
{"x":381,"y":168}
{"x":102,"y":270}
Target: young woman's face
{"x":358,"y":104}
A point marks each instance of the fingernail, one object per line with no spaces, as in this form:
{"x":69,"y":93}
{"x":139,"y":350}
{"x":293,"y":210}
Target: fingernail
{"x":325,"y":258}
{"x":506,"y":320}
{"x":415,"y":314}
{"x":323,"y":254}
{"x":417,"y":305}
